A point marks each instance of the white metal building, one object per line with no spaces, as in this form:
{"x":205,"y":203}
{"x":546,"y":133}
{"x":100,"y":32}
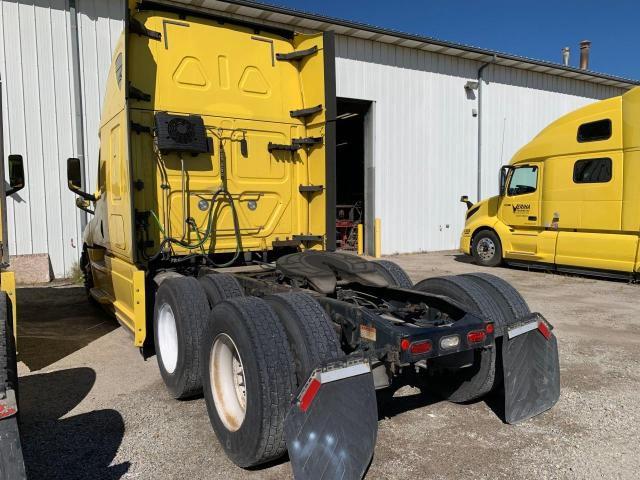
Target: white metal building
{"x":427,"y":139}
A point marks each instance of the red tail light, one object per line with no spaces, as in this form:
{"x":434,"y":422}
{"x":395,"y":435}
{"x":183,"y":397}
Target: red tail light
{"x":404,"y":344}
{"x":476,"y":336}
{"x":419,"y":348}
{"x":489,"y":328}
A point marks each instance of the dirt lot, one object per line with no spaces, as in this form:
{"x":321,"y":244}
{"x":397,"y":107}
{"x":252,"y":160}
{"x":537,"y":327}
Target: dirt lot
{"x":92,"y":408}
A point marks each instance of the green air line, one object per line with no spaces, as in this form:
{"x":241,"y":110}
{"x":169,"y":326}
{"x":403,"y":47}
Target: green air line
{"x":155,"y":217}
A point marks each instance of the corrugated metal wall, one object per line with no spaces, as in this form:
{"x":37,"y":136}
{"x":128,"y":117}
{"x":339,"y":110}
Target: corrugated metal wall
{"x":425,"y":134}
{"x":100,"y":25}
{"x":517,"y":104}
{"x":38,"y":114}
{"x":424,"y":157}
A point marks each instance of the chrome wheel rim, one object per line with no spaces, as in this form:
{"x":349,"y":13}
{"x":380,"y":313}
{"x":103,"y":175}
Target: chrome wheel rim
{"x":486,"y":249}
{"x":228,"y":383}
{"x":167,"y":338}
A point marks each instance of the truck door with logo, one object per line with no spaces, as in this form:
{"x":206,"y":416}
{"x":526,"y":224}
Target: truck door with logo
{"x":520,"y":212}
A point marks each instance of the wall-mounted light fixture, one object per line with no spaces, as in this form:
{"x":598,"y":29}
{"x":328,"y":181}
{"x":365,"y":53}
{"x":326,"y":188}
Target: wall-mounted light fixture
{"x":471,"y":85}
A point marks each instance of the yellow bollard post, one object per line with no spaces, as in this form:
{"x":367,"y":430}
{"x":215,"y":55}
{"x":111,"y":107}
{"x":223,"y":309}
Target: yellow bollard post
{"x":360,"y":239}
{"x":377,"y":234}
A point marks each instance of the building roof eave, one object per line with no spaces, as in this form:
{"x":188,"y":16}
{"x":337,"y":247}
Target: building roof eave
{"x":297,"y":18}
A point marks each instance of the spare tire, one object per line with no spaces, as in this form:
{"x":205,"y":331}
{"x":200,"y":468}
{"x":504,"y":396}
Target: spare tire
{"x":393,"y":273}
{"x":472,"y":382}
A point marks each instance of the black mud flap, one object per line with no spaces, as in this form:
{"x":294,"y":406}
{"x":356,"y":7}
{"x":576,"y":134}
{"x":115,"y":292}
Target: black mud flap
{"x":531,"y":368}
{"x":332,"y":425}
{"x":11,"y":460}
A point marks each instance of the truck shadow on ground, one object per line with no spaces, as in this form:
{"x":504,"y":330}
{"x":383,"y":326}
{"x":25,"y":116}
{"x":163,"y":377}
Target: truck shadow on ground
{"x":389,"y":406}
{"x":55,"y":321}
{"x":462,"y":258}
{"x":75,"y":447}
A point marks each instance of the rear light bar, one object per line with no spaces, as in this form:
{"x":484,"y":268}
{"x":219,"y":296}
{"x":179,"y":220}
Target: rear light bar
{"x":448,"y":342}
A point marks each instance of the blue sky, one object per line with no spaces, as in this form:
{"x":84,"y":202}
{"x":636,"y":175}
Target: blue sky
{"x":537,"y":29}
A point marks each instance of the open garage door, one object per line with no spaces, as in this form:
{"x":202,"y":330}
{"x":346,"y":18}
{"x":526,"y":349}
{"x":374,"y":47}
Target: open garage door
{"x":354,"y":190}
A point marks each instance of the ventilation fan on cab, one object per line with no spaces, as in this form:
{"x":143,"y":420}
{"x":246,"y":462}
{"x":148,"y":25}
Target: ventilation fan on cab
{"x":180,"y":133}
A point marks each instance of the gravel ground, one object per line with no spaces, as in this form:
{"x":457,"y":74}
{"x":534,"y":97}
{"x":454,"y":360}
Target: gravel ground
{"x":92,"y":408}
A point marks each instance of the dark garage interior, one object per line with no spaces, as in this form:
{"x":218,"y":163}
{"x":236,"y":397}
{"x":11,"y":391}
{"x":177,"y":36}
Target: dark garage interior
{"x":350,"y":170}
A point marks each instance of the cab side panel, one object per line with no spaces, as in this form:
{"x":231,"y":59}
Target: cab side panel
{"x":631,"y":144}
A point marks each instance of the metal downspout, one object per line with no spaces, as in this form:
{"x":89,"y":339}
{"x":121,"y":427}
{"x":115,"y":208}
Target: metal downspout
{"x":77,"y":94}
{"x":480,"y":72}
{"x":4,"y":238}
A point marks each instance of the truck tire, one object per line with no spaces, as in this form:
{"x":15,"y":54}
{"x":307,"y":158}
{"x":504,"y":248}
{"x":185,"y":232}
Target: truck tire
{"x":87,"y":275}
{"x":509,"y":300}
{"x":310,"y":333}
{"x":393,"y":273}
{"x":248,"y":379}
{"x":512,"y":305}
{"x":220,"y":287}
{"x":472,"y":382}
{"x":486,"y":248}
{"x":180,"y":314}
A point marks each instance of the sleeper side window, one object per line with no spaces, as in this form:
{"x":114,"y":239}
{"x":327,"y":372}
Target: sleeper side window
{"x":594,"y":131}
{"x":523,"y":180}
{"x":593,"y":170}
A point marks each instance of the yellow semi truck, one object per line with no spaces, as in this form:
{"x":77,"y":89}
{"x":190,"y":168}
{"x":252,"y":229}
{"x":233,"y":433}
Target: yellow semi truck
{"x":212,"y":243}
{"x":11,"y":460}
{"x":569,"y":198}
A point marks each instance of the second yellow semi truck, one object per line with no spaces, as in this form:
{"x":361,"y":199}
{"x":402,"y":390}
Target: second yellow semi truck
{"x":569,"y":200}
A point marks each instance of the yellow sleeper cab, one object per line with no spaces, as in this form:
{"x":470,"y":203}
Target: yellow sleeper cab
{"x":569,"y":199}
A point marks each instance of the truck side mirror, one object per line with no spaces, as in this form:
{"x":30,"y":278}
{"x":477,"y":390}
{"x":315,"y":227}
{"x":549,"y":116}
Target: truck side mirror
{"x":504,"y":173}
{"x":74,"y":179}
{"x":16,"y":174}
{"x":465,"y":199}
{"x":84,"y":205}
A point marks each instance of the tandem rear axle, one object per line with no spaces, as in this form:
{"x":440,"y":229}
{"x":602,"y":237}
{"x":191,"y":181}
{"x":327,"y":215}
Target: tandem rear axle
{"x":313,"y":336}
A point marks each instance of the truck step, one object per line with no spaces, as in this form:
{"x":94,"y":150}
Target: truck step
{"x":100,"y":296}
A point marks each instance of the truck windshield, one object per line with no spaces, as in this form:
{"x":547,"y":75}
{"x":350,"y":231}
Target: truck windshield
{"x":523,"y":180}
